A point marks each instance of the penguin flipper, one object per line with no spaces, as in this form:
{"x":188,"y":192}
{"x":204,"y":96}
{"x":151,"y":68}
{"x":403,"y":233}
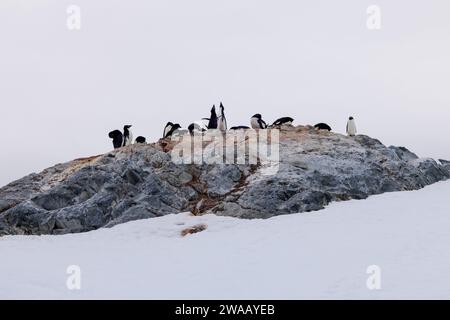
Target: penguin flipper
{"x":262,"y":124}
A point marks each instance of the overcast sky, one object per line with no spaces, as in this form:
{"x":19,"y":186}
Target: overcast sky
{"x":147,"y":62}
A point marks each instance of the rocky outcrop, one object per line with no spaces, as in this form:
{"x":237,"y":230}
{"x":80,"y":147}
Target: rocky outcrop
{"x":445,"y":164}
{"x":142,"y":181}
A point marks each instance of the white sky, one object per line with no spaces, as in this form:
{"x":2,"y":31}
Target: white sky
{"x":147,"y":62}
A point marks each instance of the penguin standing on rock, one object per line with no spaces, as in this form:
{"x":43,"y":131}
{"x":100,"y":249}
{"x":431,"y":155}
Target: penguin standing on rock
{"x":127,"y":136}
{"x":351,"y":127}
{"x":257,"y":122}
{"x":285,"y":121}
{"x":197,"y":126}
{"x":117,"y":137}
{"x":172,"y":130}
{"x":167,"y":128}
{"x":322,"y":126}
{"x":141,"y":139}
{"x":240,"y":128}
{"x":213,"y":119}
{"x":222,"y":121}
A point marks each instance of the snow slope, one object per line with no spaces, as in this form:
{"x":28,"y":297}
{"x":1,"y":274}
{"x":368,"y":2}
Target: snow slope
{"x":322,"y":254}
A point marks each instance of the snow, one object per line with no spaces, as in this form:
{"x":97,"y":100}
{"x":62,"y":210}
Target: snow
{"x":321,"y":255}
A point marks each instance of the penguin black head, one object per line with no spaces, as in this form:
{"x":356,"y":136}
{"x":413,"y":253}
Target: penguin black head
{"x":169,"y":124}
{"x":117,"y":137}
{"x":258,"y":116}
{"x":351,"y":118}
{"x":191,"y":128}
{"x":176,"y":126}
{"x":140,"y":139}
{"x":128,"y":126}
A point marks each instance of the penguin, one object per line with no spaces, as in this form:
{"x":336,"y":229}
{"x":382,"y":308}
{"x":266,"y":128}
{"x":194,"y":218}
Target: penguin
{"x":222,"y":121}
{"x":212,"y":124}
{"x":285,"y":121}
{"x":127,"y":136}
{"x":117,"y":137}
{"x":257,"y":122}
{"x":240,"y":128}
{"x":322,"y":126}
{"x":197,"y":126}
{"x":172,"y":130}
{"x":167,"y":128}
{"x":141,"y":139}
{"x":191,"y":128}
{"x":351,"y":127}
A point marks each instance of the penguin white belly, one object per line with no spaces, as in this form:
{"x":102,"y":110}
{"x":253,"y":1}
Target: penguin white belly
{"x":254,"y":123}
{"x":222,"y":124}
{"x":351,"y":128}
{"x":129,"y":139}
{"x":166,"y":130}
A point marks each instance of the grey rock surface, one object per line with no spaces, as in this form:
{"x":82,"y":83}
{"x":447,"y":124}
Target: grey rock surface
{"x":141,"y":181}
{"x":445,"y":163}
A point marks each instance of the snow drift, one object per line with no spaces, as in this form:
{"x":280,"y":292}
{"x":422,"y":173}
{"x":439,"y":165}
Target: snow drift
{"x":322,"y":255}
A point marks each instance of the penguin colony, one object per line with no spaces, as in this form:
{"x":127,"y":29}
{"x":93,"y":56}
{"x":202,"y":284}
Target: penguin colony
{"x":216,"y":121}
